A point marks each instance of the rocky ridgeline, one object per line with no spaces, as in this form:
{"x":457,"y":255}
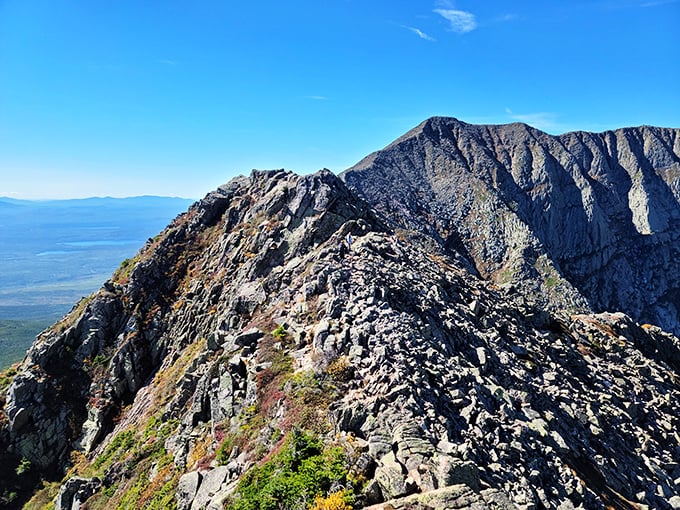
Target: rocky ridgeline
{"x":149,"y":337}
{"x":187,"y":379}
{"x":568,"y":217}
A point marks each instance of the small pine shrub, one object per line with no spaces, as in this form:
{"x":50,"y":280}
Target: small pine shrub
{"x":23,"y":467}
{"x":98,"y":360}
{"x":7,"y":375}
{"x":224,"y":451}
{"x":280,"y":333}
{"x":121,"y":444}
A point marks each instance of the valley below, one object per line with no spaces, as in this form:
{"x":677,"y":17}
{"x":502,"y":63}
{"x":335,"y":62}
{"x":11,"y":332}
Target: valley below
{"x":56,"y":252}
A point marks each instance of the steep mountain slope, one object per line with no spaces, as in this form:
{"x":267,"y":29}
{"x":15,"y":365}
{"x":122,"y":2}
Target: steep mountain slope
{"x":246,"y":358}
{"x":593,"y":213}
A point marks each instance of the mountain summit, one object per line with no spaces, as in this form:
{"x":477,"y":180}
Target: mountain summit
{"x":458,"y":321}
{"x":577,"y":219}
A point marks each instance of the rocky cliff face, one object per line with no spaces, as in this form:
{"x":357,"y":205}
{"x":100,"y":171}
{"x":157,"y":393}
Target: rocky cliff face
{"x":246,"y":358}
{"x":568,"y":217}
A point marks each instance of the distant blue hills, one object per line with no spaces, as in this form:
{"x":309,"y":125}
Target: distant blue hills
{"x":53,"y":252}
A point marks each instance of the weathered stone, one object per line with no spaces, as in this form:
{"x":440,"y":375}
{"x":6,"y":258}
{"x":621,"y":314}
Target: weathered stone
{"x":20,"y":418}
{"x":452,"y":471}
{"x":391,"y":476}
{"x":210,"y":485}
{"x":373,"y":493}
{"x":75,"y":492}
{"x":187,"y":489}
{"x":213,"y":342}
{"x":91,"y":429}
{"x":248,"y":338}
{"x":456,"y":497}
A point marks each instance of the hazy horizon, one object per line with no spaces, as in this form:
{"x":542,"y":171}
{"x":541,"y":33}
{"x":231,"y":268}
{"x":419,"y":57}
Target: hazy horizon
{"x":94,"y":197}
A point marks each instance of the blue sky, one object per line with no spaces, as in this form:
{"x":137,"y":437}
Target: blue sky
{"x":175,"y":97}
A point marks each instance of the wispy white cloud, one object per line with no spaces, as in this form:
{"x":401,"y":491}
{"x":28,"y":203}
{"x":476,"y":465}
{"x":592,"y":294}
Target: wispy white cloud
{"x":505,"y":18}
{"x":317,"y":98}
{"x":545,"y":121}
{"x":167,"y":62}
{"x":420,"y":33}
{"x":459,"y":21}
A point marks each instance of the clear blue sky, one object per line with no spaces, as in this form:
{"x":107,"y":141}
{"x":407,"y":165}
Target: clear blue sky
{"x":175,"y":97}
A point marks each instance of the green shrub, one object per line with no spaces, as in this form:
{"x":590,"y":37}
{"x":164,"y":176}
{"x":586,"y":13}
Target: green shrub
{"x":7,"y":376}
{"x":159,"y":430}
{"x":132,"y":495}
{"x":340,"y":370}
{"x":8,"y":497}
{"x":122,"y":274}
{"x":122,"y":443}
{"x":23,"y":467}
{"x":110,"y":491}
{"x":280,"y":333}
{"x":293,"y":477}
{"x":164,"y":499}
{"x":224,"y":451}
{"x":99,"y":360}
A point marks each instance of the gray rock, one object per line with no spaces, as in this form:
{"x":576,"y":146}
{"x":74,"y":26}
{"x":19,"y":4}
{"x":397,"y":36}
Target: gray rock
{"x":214,"y":341}
{"x":221,"y":395}
{"x":373,"y":493}
{"x":210,"y":485}
{"x":187,"y":489}
{"x":248,"y":338}
{"x":391,"y":476}
{"x":19,"y":418}
{"x":452,"y":471}
{"x":456,"y":497}
{"x":76,"y":491}
{"x":91,"y":429}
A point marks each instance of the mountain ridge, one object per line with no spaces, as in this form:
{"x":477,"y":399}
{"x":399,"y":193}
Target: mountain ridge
{"x":520,"y":180}
{"x":249,"y":346}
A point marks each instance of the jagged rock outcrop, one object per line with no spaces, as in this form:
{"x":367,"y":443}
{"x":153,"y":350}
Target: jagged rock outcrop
{"x":580,"y":215}
{"x":75,"y":492}
{"x":248,"y":342}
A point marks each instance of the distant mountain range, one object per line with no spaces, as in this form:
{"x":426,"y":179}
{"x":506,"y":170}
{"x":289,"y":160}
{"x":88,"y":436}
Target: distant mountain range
{"x":53,"y":252}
